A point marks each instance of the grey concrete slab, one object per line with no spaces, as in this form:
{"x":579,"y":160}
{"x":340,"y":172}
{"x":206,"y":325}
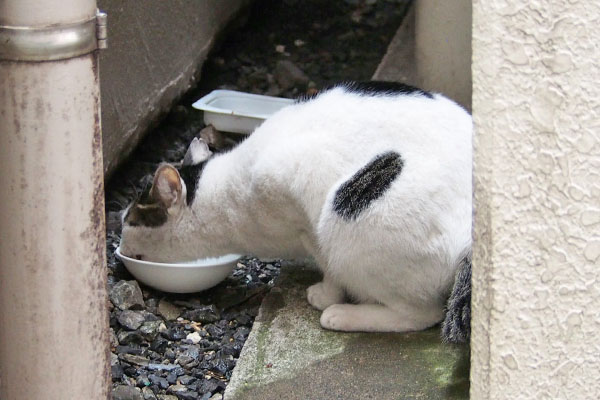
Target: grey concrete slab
{"x":398,"y":63}
{"x":155,"y":52}
{"x":289,"y":356}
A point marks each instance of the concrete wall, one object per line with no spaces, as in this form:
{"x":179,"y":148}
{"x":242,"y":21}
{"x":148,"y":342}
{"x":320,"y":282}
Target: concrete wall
{"x":536,"y":105}
{"x":156,"y":49}
{"x":442,"y":48}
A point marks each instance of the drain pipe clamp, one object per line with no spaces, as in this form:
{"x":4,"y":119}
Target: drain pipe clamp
{"x":57,"y":42}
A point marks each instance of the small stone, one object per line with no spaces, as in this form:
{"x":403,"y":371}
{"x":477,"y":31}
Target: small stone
{"x":176,"y":388}
{"x":159,"y":344}
{"x":217,"y":396}
{"x":114,"y":341}
{"x":123,"y":392}
{"x":194,"y":337}
{"x":159,"y":380}
{"x":128,"y":350}
{"x":172,"y":378}
{"x":175,"y":333}
{"x":169,"y":311}
{"x":186,"y":380}
{"x":114,"y":359}
{"x":149,"y":330}
{"x":241,"y":334}
{"x":127,"y":295}
{"x":170,"y":354}
{"x":148,"y":394}
{"x":288,"y":75}
{"x":186,"y":361}
{"x":214,"y":331}
{"x":142,"y":381}
{"x":204,"y":314}
{"x":131,"y":319}
{"x":161,"y":367}
{"x":134,"y":359}
{"x":243,"y":319}
{"x":126,"y":337}
{"x":166,"y":397}
{"x":187,"y":395}
{"x":280,"y":48}
{"x":299,"y":43}
{"x":116,"y":372}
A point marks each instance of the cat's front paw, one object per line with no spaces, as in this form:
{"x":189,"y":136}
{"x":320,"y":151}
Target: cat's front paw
{"x":322,"y":295}
{"x":337,"y":317}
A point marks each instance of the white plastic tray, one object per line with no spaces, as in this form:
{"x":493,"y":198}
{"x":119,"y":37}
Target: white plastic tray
{"x":238,"y":112}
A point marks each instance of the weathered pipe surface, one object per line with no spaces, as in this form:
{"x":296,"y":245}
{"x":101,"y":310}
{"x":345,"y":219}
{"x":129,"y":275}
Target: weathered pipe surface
{"x":53,"y":314}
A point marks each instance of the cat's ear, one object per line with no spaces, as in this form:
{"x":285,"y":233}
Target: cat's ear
{"x":197,"y":152}
{"x":166,"y":187}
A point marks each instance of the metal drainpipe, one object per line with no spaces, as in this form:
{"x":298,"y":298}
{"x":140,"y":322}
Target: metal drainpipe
{"x":54,"y":341}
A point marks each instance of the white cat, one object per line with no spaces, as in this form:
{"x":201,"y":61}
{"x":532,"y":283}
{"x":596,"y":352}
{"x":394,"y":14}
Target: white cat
{"x":373,"y":180}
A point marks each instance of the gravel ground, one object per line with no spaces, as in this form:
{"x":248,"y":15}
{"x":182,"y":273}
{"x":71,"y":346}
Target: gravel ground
{"x":167,"y":346}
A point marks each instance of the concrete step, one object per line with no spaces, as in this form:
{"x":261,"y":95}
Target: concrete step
{"x":289,"y":356}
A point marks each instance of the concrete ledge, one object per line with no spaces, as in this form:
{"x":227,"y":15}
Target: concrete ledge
{"x":155,"y":52}
{"x":398,"y":63}
{"x":289,"y":356}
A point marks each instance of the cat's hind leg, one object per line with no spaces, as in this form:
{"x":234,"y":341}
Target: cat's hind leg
{"x":379,"y":318}
{"x":325,"y":293}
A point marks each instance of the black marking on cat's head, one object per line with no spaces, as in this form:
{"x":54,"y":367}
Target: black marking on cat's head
{"x":370,"y":88}
{"x":145,"y":212}
{"x":191,"y":175}
{"x":456,"y":327}
{"x":367,"y":185}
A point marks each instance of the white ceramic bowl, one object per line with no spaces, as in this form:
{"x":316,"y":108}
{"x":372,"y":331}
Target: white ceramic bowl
{"x":238,"y":112}
{"x":185,"y":277}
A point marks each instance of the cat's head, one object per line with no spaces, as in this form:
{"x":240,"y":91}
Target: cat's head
{"x":153,"y":222}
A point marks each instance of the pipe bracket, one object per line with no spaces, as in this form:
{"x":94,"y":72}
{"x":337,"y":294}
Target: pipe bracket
{"x":57,"y":42}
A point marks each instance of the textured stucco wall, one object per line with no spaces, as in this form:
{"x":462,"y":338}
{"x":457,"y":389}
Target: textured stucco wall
{"x":155,"y":51}
{"x":536,"y":105}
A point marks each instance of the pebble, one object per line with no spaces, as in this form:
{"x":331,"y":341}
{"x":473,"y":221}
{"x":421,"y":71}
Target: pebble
{"x":194,"y":337}
{"x":148,"y":394}
{"x":134,"y":359}
{"x":128,"y":337}
{"x":204,"y":314}
{"x":288,"y":75}
{"x":127,"y":295}
{"x":123,"y":392}
{"x":161,"y":367}
{"x":149,"y":330}
{"x":166,"y":397}
{"x":159,"y":380}
{"x":131,"y":319}
{"x":168,"y":310}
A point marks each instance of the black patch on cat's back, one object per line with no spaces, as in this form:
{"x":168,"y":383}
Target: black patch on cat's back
{"x":191,"y":175}
{"x":375,"y":88}
{"x":370,"y":88}
{"x":367,"y":185}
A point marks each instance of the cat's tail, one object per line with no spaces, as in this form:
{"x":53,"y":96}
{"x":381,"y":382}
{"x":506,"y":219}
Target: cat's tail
{"x":456,"y":327}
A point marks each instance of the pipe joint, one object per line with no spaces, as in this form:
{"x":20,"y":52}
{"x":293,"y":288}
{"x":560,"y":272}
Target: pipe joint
{"x":57,"y":42}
